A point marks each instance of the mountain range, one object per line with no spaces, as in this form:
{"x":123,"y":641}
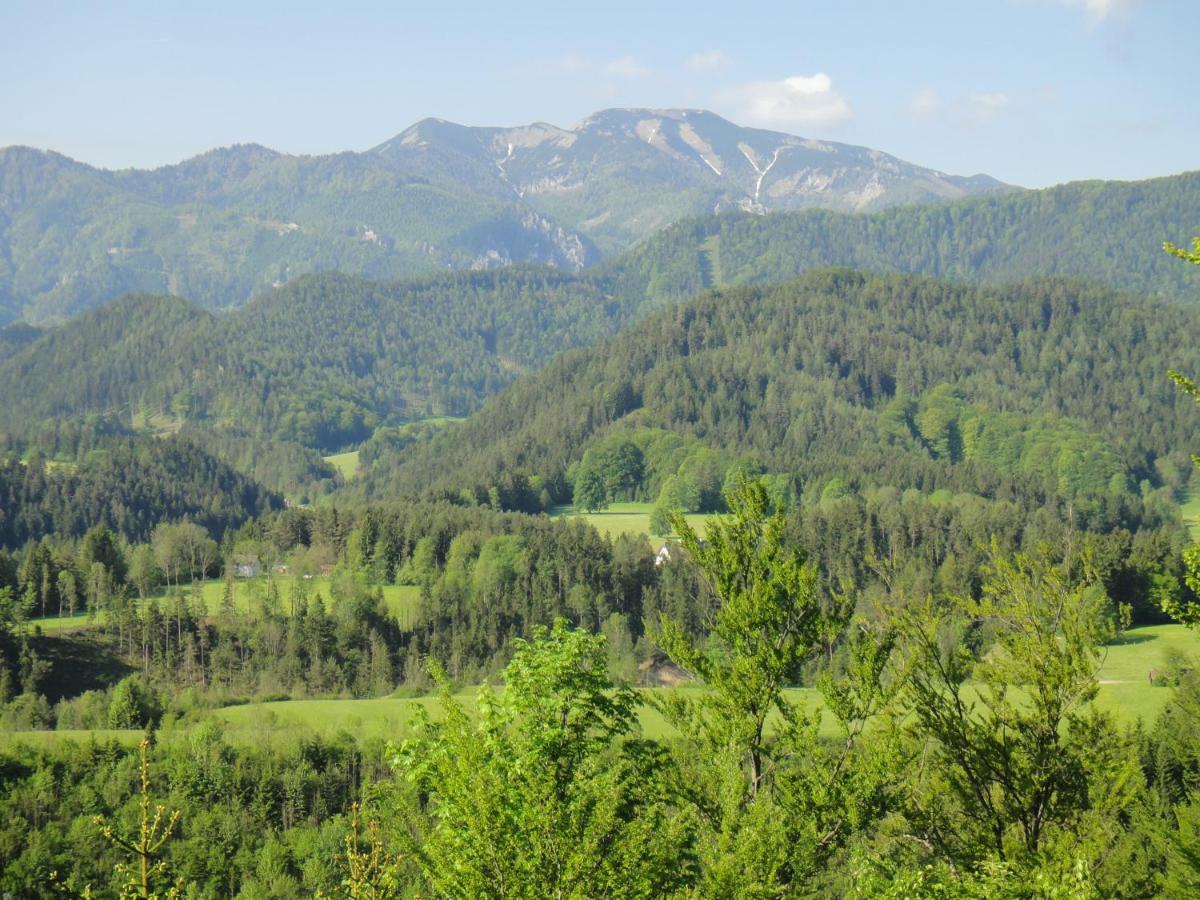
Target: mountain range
{"x":324,"y":359}
{"x":231,"y":223}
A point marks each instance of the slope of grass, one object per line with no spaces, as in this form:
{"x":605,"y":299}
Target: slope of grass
{"x":628,"y":518}
{"x":1125,"y":679}
{"x":392,"y":717}
{"x":1125,"y":690}
{"x":346,"y":463}
{"x":401,"y":600}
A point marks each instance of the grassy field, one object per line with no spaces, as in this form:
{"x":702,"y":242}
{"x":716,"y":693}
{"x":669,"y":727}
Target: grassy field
{"x":627,"y":518}
{"x":1125,"y":689}
{"x":392,"y":717}
{"x":1125,"y":679}
{"x":401,"y":599}
{"x":346,"y":463}
{"x":128,"y":737}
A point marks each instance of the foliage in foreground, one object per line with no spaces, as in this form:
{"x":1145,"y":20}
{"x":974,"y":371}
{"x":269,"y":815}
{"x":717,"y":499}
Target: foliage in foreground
{"x":549,"y":791}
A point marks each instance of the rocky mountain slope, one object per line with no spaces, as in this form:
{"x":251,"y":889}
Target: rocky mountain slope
{"x":223,"y":226}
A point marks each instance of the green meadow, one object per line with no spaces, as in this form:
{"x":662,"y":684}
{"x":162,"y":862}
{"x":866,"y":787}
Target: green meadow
{"x":1125,"y":689}
{"x":346,"y":463}
{"x":628,"y":518}
{"x":392,"y":717}
{"x":401,"y":599}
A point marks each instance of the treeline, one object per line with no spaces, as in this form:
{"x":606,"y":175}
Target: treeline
{"x":1016,"y":393}
{"x":488,"y":577}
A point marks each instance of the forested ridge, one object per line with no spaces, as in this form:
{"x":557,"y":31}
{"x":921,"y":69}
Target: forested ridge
{"x":320,"y":362}
{"x":129,"y":485}
{"x":883,"y":379}
{"x":223,"y":226}
{"x":1109,"y":232}
{"x":872,"y":379}
{"x":226,"y":225}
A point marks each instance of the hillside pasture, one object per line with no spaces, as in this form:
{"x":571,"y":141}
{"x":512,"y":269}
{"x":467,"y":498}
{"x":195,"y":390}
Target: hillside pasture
{"x":248,"y":593}
{"x":346,"y":463}
{"x":392,"y":717}
{"x":628,"y":518}
{"x":1125,"y":690}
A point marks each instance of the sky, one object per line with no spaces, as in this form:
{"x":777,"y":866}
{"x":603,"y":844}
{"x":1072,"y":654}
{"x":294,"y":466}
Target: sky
{"x":1033,"y":92}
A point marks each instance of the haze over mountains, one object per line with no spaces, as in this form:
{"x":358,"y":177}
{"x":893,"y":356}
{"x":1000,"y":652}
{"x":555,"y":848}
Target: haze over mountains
{"x":623,"y":173}
{"x":231,"y":223}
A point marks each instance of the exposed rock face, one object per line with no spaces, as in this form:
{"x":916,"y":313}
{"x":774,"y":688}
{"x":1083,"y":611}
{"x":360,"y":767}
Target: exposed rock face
{"x":620,"y":174}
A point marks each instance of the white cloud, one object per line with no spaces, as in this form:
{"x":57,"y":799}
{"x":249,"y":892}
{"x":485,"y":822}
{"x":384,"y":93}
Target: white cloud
{"x":799,"y":100}
{"x":924,"y":102}
{"x":709,"y":61}
{"x":964,"y":111}
{"x":983,"y":107}
{"x":572,"y":64}
{"x":1100,"y":10}
{"x":625,"y":67}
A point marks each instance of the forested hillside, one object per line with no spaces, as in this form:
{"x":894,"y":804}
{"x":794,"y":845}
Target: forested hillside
{"x":1020,"y":391}
{"x":128,"y":485}
{"x":325,"y":359}
{"x":15,"y":336}
{"x":100,"y":363}
{"x":1105,"y":231}
{"x":321,"y":362}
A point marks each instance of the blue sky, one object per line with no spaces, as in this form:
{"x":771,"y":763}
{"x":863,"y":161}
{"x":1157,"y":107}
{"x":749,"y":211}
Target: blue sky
{"x":1031,"y":91}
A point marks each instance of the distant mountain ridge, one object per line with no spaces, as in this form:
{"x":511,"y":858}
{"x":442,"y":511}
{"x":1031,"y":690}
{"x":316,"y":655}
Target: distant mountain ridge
{"x":579,"y":175}
{"x":230,"y":223}
{"x":1109,"y":232}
